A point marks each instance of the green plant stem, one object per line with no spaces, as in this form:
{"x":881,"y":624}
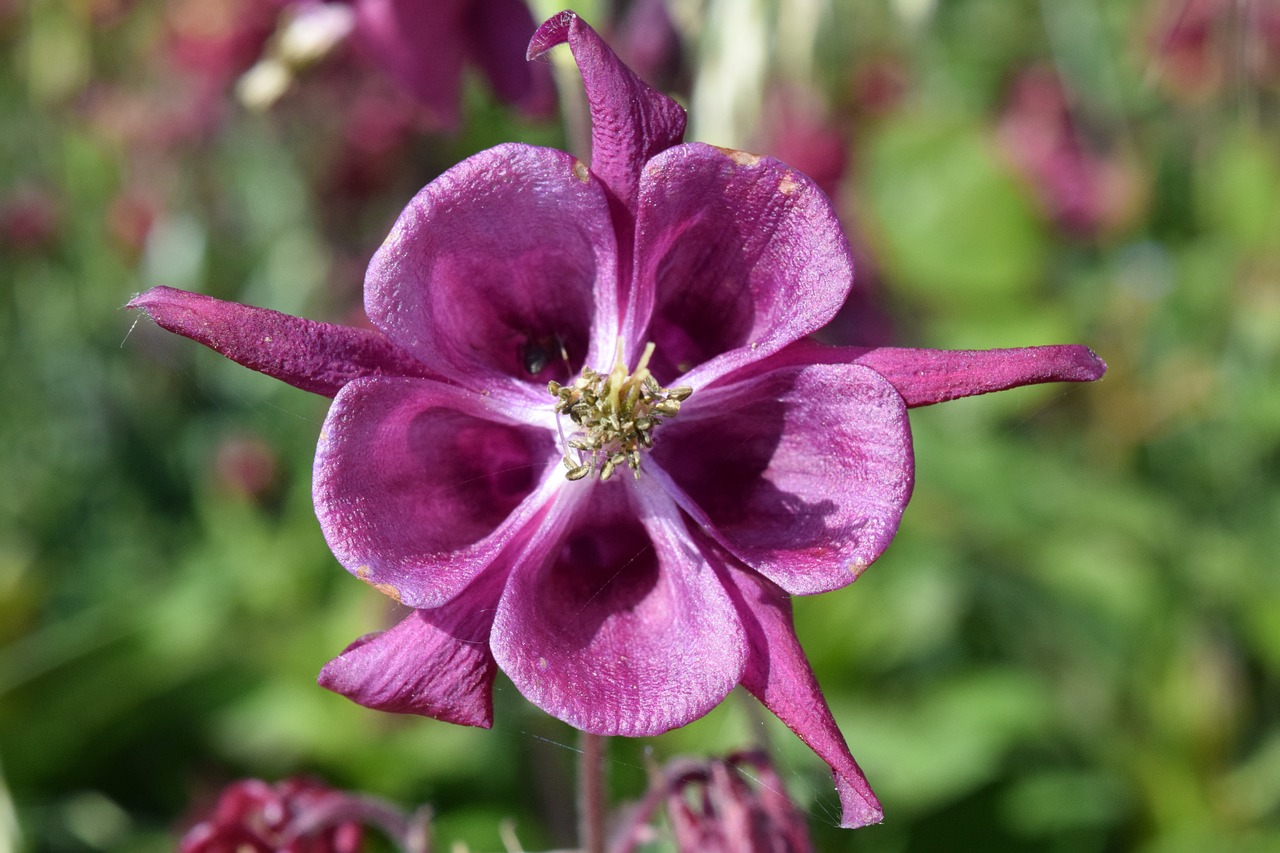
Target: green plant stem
{"x":591,"y":793}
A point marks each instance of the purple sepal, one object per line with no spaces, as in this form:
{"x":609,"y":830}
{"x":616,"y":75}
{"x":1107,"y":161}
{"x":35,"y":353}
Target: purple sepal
{"x":630,"y":121}
{"x":927,"y":376}
{"x":510,"y":249}
{"x":419,"y":486}
{"x":316,"y":357}
{"x":778,"y":674}
{"x":924,"y":376}
{"x":435,"y":663}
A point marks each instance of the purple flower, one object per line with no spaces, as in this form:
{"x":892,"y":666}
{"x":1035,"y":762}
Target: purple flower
{"x":424,"y":44}
{"x":1085,"y":191}
{"x":589,"y":440}
{"x":713,"y":808}
{"x":301,"y":815}
{"x":296,"y":816}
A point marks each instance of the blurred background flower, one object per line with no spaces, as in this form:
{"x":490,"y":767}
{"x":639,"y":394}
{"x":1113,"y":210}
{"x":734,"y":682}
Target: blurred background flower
{"x":1073,"y":644}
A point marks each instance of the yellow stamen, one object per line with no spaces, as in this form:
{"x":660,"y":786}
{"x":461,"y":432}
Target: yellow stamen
{"x":616,"y":415}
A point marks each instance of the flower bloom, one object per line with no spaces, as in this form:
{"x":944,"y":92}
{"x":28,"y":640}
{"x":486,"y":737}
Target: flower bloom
{"x":423,"y":45}
{"x":296,"y":815}
{"x":301,"y":815}
{"x":713,"y":808}
{"x":1199,"y":47}
{"x":1082,"y":189}
{"x":588,"y":439}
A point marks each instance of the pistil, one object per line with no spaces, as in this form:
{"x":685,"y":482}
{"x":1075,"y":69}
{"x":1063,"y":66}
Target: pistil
{"x":615,"y":413}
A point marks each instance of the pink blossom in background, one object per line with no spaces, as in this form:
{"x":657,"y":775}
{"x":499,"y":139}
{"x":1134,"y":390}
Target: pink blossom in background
{"x":425,"y":45}
{"x":645,"y":38}
{"x":216,"y":40}
{"x":797,"y":129}
{"x":30,"y":219}
{"x":302,"y":815}
{"x":1198,"y":47}
{"x":245,"y":467}
{"x":587,"y":437}
{"x":735,"y":804}
{"x":713,"y":808}
{"x":1083,"y":191}
{"x":294,"y":816}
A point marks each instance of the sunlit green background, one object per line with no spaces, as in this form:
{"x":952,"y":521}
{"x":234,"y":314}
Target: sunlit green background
{"x":1074,"y":643}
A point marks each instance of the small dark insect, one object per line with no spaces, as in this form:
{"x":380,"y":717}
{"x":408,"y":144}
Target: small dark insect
{"x":535,"y":357}
{"x":536,"y":354}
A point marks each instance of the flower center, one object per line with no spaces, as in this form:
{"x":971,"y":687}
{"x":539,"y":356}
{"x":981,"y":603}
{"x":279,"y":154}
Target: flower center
{"x":615,"y":414}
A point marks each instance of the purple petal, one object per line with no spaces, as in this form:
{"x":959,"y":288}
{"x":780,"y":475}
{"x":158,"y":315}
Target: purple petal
{"x":738,"y":255}
{"x":316,"y":357}
{"x":434,"y":662}
{"x":618,"y":627}
{"x":419,"y":486}
{"x":927,"y":376}
{"x":924,"y":377}
{"x":499,"y":31}
{"x":501,"y":272}
{"x":778,"y":674}
{"x":630,"y":121}
{"x":803,"y":472}
{"x":420,"y":45}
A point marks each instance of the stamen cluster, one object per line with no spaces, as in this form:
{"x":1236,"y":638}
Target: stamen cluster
{"x":615,"y":414}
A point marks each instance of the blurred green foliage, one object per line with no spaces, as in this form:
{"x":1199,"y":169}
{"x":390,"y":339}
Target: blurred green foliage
{"x":1074,"y":644}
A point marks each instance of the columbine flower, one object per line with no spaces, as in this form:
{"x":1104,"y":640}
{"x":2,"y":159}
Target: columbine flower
{"x":1084,"y":191}
{"x":589,"y":441}
{"x":423,"y":45}
{"x":300,"y":815}
{"x":713,"y":808}
{"x":1199,"y":46}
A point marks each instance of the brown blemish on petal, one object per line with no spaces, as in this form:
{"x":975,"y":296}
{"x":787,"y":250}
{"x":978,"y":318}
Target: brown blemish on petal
{"x":742,"y":158}
{"x":788,"y":184}
{"x":581,"y":172}
{"x":389,"y":590}
{"x":362,"y":572}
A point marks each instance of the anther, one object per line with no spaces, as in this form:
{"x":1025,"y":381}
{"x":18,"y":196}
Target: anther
{"x":615,"y":413}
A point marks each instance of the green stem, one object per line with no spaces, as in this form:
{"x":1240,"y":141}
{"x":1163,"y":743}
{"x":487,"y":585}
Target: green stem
{"x":591,"y":793}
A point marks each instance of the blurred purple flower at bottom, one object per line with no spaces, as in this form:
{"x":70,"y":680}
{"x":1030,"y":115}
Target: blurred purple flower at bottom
{"x":735,"y":804}
{"x":302,"y":815}
{"x":293,"y":816}
{"x":713,"y":808}
{"x":588,"y":439}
